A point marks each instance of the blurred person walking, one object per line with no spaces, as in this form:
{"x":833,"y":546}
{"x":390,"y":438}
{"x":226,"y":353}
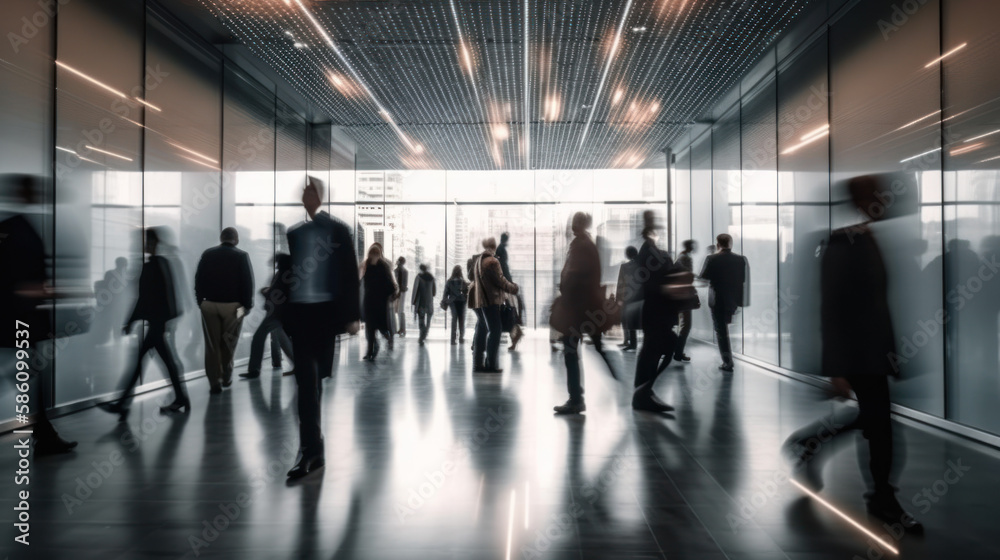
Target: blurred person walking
{"x":323,"y":303}
{"x":158,"y":305}
{"x":685,"y":261}
{"x":456,"y":295}
{"x":223,"y":288}
{"x":399,"y":305}
{"x":275,"y":295}
{"x":579,"y":309}
{"x":380,"y":288}
{"x":515,"y":300}
{"x":486,"y":295}
{"x":24,"y":286}
{"x":424,"y":293}
{"x":725,"y":272}
{"x":629,"y":298}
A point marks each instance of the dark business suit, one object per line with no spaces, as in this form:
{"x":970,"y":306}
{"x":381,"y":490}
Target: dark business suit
{"x":725,"y":272}
{"x":323,"y":300}
{"x":659,"y":316}
{"x":157,"y":304}
{"x":858,"y":339}
{"x":684,"y":261}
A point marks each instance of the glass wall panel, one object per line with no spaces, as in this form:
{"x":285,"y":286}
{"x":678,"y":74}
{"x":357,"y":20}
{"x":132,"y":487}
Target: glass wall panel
{"x":701,"y":226}
{"x":682,"y":199}
{"x":26,"y":139}
{"x":417,"y":232}
{"x":803,"y":211}
{"x":508,"y":186}
{"x":248,"y":179}
{"x":886,"y":118}
{"x":630,"y":185}
{"x":760,"y":220}
{"x":182,"y":179}
{"x":98,"y":194}
{"x":972,"y":212}
{"x":727,"y":216}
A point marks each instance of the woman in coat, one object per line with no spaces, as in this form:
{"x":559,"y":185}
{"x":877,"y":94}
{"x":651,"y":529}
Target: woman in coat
{"x":380,"y":288}
{"x":424,"y":292}
{"x":456,"y":293}
{"x":486,"y":296}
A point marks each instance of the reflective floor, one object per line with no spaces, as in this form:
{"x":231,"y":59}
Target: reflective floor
{"x":427,"y":461}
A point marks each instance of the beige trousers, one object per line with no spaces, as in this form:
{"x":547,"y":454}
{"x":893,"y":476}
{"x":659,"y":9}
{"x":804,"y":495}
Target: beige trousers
{"x":221,"y":323}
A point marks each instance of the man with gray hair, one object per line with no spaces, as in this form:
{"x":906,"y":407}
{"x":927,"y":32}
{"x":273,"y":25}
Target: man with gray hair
{"x":223,"y":288}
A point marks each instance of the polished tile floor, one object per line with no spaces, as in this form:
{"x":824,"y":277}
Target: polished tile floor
{"x":427,"y":461}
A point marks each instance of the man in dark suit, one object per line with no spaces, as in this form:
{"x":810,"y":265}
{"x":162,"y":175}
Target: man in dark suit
{"x":223,"y":288}
{"x":725,"y":272}
{"x":323,"y":302}
{"x":399,"y":305}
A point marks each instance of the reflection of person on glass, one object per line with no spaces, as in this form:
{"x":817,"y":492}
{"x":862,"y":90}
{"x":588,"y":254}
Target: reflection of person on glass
{"x":380,"y":288}
{"x":424,"y":292}
{"x":23,"y":287}
{"x":223,"y":287}
{"x":158,"y":306}
{"x":725,"y":272}
{"x":858,"y":342}
{"x":485,"y":297}
{"x":109,"y":294}
{"x":322,"y":303}
{"x":399,"y":306}
{"x":578,"y":310}
{"x":275,"y":294}
{"x":456,"y":293}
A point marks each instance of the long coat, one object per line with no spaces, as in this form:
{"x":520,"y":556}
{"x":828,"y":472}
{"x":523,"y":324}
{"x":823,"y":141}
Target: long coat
{"x":380,"y":287}
{"x":424,"y":291}
{"x":580,"y":286}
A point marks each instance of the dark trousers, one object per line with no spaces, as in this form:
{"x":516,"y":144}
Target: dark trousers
{"x":458,"y":320}
{"x":371,"y":335}
{"x":574,"y":380}
{"x":424,"y":321}
{"x":489,"y":327}
{"x":631,"y":337}
{"x":314,"y":342}
{"x":155,"y":339}
{"x":720,"y":320}
{"x":655,"y":345}
{"x":682,"y":338}
{"x":279,"y":342}
{"x":875,"y":421}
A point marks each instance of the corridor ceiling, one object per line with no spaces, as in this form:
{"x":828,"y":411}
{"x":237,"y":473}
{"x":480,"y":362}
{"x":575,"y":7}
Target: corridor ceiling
{"x":509,"y":84}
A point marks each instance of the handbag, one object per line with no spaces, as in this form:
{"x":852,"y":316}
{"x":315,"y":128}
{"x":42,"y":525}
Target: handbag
{"x":508,"y":316}
{"x":445,"y":302}
{"x":680,"y":291}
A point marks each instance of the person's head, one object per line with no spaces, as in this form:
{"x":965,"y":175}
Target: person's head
{"x":312,"y":195}
{"x":631,"y":252}
{"x":401,"y":261}
{"x":581,"y":223}
{"x":504,"y":237}
{"x":457,"y":272}
{"x":649,"y":225}
{"x":121,"y":263}
{"x":864,"y":193}
{"x":711,"y":249}
{"x":724,"y":241}
{"x":490,"y":244}
{"x":374,"y":253}
{"x":690,"y":246}
{"x":21,"y":187}
{"x":955,"y":245}
{"x":423,"y":268}
{"x":152,"y":240}
{"x":230,"y":236}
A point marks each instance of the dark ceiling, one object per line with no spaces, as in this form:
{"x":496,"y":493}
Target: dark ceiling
{"x":447,"y":83}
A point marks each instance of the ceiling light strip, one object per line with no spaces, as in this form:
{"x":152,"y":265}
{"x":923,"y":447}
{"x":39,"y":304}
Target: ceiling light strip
{"x":527,"y":92}
{"x":607,"y":68}
{"x":357,"y":77}
{"x":98,"y":83}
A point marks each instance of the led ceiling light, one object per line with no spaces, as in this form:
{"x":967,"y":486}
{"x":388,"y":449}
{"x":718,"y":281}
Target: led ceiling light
{"x":967,"y":149}
{"x":607,"y":67}
{"x":921,"y":119}
{"x":105,"y":152}
{"x":192,"y":152}
{"x":927,"y":153}
{"x":845,"y":517}
{"x":94,"y":81}
{"x":981,"y":136}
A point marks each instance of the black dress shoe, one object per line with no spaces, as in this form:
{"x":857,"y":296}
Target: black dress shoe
{"x":491,"y":370}
{"x":307,"y":465}
{"x":250,"y":375}
{"x":682,"y":358}
{"x":571,"y":407}
{"x":650,"y":403}
{"x":177,"y":406}
{"x":53,"y":445}
{"x":289,"y":372}
{"x":726,"y":367}
{"x":891,"y":512}
{"x":115,"y":408}
{"x":227,"y":384}
{"x":215,"y":391}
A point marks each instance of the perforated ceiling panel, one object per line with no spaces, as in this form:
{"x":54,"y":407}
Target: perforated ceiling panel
{"x":449,"y":83}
